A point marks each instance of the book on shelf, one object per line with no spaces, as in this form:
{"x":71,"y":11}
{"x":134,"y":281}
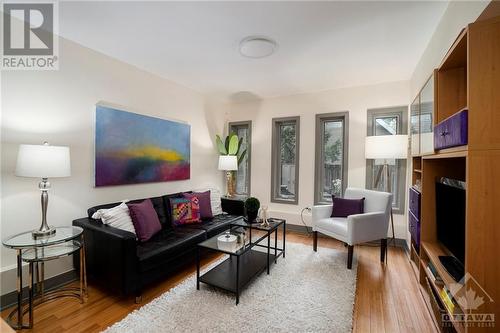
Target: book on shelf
{"x":433,"y":273}
{"x":447,"y":300}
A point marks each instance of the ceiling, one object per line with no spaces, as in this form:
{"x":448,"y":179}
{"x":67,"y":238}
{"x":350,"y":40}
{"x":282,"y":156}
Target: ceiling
{"x":321,"y":45}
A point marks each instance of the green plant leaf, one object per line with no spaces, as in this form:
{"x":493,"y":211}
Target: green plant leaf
{"x":226,"y":143}
{"x":242,"y":156}
{"x":233,"y":145}
{"x":240,"y":143}
{"x":220,"y":145}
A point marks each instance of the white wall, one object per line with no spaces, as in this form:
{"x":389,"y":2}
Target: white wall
{"x":455,"y":18}
{"x":355,"y":100}
{"x":59,"y":106}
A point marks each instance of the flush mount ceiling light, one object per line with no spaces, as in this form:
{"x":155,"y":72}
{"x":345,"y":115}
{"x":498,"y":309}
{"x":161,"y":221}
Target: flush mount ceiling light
{"x":257,"y":47}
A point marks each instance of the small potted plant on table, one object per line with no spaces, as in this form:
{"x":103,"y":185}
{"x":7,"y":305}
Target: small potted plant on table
{"x":252,"y":206}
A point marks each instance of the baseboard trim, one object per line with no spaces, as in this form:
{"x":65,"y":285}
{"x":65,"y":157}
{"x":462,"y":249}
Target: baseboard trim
{"x":10,"y":299}
{"x":399,"y":242}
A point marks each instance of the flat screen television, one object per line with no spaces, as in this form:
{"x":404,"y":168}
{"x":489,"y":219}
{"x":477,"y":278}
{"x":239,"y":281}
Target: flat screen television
{"x":450,"y":222}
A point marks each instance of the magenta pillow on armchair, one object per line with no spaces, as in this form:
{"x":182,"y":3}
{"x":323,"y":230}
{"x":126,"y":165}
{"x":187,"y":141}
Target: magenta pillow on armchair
{"x":145,"y":219}
{"x":204,"y":203}
{"x":345,"y":207}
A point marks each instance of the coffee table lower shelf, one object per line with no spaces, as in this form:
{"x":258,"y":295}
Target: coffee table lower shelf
{"x":223,"y":275}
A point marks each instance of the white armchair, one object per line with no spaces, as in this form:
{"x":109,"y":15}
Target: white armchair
{"x":355,"y":229}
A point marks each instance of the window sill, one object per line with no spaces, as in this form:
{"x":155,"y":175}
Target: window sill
{"x":284,"y":201}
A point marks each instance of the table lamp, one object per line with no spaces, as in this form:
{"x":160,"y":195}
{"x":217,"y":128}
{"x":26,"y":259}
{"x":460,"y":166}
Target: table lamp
{"x":386,"y":147}
{"x":228,"y":163}
{"x":43,"y":161}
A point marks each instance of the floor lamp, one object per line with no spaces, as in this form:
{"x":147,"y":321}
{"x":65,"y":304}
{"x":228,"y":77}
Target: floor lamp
{"x":386,"y":148}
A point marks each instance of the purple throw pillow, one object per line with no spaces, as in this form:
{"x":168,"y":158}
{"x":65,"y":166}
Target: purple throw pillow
{"x":145,"y":219}
{"x":345,"y":207}
{"x":204,"y":202}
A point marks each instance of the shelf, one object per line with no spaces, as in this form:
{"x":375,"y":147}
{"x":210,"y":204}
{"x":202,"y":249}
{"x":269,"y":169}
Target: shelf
{"x":224,"y":275}
{"x":434,"y":250}
{"x":437,"y":289}
{"x":448,"y":153}
{"x":414,"y":264}
{"x":457,"y":54}
{"x":427,"y":302}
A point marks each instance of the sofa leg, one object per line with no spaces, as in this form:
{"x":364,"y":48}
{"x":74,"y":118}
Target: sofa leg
{"x":350,"y":251}
{"x":315,"y":241}
{"x":383,"y":249}
{"x":138,"y":299}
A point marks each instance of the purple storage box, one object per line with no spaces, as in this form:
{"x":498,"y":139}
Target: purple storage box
{"x":452,"y":131}
{"x":414,"y":227}
{"x":415,"y":202}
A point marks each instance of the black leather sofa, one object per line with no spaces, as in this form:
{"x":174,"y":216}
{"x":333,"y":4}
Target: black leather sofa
{"x":121,"y":264}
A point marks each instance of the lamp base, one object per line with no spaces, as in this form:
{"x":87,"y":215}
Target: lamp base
{"x":37,"y":234}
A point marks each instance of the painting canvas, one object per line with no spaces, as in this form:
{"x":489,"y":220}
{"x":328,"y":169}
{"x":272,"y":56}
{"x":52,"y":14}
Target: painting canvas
{"x":131,"y":148}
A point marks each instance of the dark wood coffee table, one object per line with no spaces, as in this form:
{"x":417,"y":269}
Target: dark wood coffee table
{"x":245,"y":262}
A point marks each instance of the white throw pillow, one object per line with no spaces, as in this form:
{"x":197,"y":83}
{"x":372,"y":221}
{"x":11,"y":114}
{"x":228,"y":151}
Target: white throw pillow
{"x":117,"y":217}
{"x":215,"y":200}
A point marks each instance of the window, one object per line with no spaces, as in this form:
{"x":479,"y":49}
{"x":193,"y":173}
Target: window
{"x":388,"y":121}
{"x":330,"y":177}
{"x":285,"y":160}
{"x":243,"y":129}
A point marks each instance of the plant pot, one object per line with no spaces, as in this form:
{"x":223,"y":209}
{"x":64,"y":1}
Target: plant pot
{"x":251,"y":216}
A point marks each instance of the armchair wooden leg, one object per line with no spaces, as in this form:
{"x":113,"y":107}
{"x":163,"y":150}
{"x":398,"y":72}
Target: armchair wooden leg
{"x":383,"y":249}
{"x":350,"y":250}
{"x":315,"y":241}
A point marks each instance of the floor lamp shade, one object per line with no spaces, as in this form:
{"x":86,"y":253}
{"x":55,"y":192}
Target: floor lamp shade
{"x":43,"y":161}
{"x":386,"y":147}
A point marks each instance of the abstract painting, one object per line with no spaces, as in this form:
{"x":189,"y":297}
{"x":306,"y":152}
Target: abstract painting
{"x":131,"y":148}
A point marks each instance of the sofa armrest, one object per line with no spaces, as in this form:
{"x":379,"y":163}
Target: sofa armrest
{"x":111,"y":255}
{"x":321,"y":212}
{"x":366,"y":227}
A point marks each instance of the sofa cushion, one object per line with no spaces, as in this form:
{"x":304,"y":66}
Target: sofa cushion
{"x":145,"y":219}
{"x":185,"y":211}
{"x":158,"y":204}
{"x":166,"y":245}
{"x":116,"y":217}
{"x":204,"y":203}
{"x":168,"y":209}
{"x":337,"y":225}
{"x":215,"y":225}
{"x":345,"y":207}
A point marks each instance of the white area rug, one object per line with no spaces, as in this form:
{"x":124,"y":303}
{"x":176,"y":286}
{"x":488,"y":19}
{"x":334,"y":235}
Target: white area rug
{"x":305,"y":292}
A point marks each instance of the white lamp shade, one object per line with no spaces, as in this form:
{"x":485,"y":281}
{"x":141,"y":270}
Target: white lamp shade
{"x":228,"y":163}
{"x":386,"y":147}
{"x":43,"y":161}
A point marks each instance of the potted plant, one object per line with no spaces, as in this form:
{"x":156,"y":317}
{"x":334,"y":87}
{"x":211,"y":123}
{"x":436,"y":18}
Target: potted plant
{"x":252,"y":206}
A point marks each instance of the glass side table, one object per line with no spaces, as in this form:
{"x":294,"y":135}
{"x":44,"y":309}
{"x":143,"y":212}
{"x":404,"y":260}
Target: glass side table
{"x":35,"y":252}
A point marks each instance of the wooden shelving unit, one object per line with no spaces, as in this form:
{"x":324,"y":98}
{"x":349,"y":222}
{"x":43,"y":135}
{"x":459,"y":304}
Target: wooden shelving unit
{"x":468,"y":77}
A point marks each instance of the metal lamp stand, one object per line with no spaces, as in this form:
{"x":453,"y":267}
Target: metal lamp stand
{"x":45,"y":230}
{"x":387,"y":188}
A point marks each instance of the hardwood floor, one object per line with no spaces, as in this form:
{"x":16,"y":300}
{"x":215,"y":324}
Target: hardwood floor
{"x":387,"y":298}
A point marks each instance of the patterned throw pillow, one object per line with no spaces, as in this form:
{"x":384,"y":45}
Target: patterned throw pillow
{"x":185,"y":211}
